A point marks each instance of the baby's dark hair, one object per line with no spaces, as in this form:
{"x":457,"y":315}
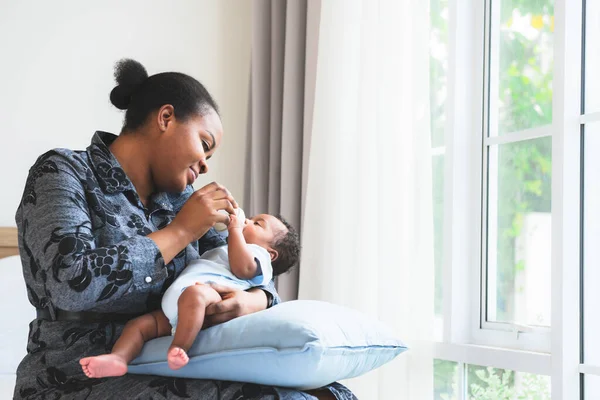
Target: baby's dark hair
{"x":140,"y":94}
{"x":287,"y":245}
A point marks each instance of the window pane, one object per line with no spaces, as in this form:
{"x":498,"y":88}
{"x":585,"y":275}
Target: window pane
{"x":519,"y":232}
{"x":521,"y":59}
{"x":592,"y":387}
{"x":445,"y":380}
{"x":592,"y":56}
{"x":591,"y":243}
{"x":438,"y":67}
{"x":501,"y":384}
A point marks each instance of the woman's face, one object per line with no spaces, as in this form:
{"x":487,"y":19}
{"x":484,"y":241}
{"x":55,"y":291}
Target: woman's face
{"x":181,"y":153}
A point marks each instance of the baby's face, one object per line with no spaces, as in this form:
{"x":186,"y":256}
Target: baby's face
{"x":262,"y":230}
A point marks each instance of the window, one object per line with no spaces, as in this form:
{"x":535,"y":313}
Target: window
{"x":446,"y":380}
{"x":517,"y":176}
{"x":511,"y":176}
{"x":487,"y":383}
{"x":454,"y":381}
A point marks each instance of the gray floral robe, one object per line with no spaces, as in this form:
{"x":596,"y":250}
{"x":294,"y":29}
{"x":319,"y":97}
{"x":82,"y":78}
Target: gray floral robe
{"x":83,"y":245}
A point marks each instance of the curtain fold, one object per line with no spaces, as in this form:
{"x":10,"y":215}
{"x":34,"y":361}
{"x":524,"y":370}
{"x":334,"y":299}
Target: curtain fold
{"x":274,"y":162}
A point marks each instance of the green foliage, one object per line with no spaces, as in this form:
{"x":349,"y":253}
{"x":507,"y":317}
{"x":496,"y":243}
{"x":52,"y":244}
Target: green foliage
{"x":488,"y":383}
{"x":444,"y":379}
{"x":498,"y":384}
{"x":535,"y":387}
{"x":492,"y":384}
{"x":524,"y":168}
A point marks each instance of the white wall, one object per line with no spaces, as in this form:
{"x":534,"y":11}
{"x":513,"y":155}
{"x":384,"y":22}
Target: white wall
{"x":56,"y":67}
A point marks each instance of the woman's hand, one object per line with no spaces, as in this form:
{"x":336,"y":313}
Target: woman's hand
{"x":235,"y":303}
{"x":196,"y":217}
{"x":200,"y":211}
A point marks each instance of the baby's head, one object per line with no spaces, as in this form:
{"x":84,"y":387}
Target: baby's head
{"x":277,"y":236}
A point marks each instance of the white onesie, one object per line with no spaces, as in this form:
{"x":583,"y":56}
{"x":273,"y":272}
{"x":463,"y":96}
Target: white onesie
{"x":213,"y":266}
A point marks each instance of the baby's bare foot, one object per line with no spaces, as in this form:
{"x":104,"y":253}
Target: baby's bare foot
{"x":177,"y":357}
{"x":103,"y":366}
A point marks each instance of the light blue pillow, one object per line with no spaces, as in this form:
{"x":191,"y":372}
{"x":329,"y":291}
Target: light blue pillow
{"x":302,"y":344}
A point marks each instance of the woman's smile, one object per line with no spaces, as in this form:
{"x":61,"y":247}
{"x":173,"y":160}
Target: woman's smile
{"x":192,"y":175}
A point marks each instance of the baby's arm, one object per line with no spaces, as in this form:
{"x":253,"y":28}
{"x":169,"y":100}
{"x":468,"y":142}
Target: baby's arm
{"x":241,"y":260}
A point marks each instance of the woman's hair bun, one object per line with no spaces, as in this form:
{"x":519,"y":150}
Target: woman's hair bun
{"x":129,"y":75}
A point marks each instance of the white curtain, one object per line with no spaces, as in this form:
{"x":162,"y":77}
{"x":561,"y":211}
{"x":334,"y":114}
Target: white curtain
{"x":367,"y":221}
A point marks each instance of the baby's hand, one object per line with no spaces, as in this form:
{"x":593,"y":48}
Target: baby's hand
{"x":235,"y":222}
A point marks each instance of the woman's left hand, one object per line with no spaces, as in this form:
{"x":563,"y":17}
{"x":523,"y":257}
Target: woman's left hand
{"x":235,"y":303}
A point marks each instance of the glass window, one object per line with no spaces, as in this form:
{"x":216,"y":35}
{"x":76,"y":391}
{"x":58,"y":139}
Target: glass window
{"x":445,"y":382}
{"x":486,"y":383}
{"x":517,"y":179}
{"x":521,"y":60}
{"x":519,"y":232}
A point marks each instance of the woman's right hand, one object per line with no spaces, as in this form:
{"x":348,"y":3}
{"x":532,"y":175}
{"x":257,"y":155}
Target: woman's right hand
{"x":200,"y":211}
{"x":196,"y":217}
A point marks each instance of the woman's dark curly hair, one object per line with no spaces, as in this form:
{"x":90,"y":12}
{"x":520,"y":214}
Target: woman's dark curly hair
{"x":140,"y":94}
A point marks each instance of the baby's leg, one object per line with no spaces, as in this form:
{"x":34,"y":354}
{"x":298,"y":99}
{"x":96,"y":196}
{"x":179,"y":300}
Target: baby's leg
{"x":191,"y":307}
{"x":137,"y":332}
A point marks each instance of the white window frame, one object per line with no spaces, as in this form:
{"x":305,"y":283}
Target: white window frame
{"x":509,"y":335}
{"x":566,"y":211}
{"x":585,"y":369}
{"x":466,"y":339}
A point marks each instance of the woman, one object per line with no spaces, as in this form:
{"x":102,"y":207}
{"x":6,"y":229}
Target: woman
{"x":103,"y":233}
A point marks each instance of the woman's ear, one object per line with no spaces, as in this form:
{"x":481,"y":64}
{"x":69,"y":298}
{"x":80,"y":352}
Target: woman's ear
{"x":166,"y":115}
{"x":273,"y":253}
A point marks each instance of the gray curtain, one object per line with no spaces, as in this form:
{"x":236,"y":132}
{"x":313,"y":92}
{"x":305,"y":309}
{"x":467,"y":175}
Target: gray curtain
{"x":278,"y":114}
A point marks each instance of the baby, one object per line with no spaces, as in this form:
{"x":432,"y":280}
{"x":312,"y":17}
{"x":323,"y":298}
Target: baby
{"x":257,"y":249}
